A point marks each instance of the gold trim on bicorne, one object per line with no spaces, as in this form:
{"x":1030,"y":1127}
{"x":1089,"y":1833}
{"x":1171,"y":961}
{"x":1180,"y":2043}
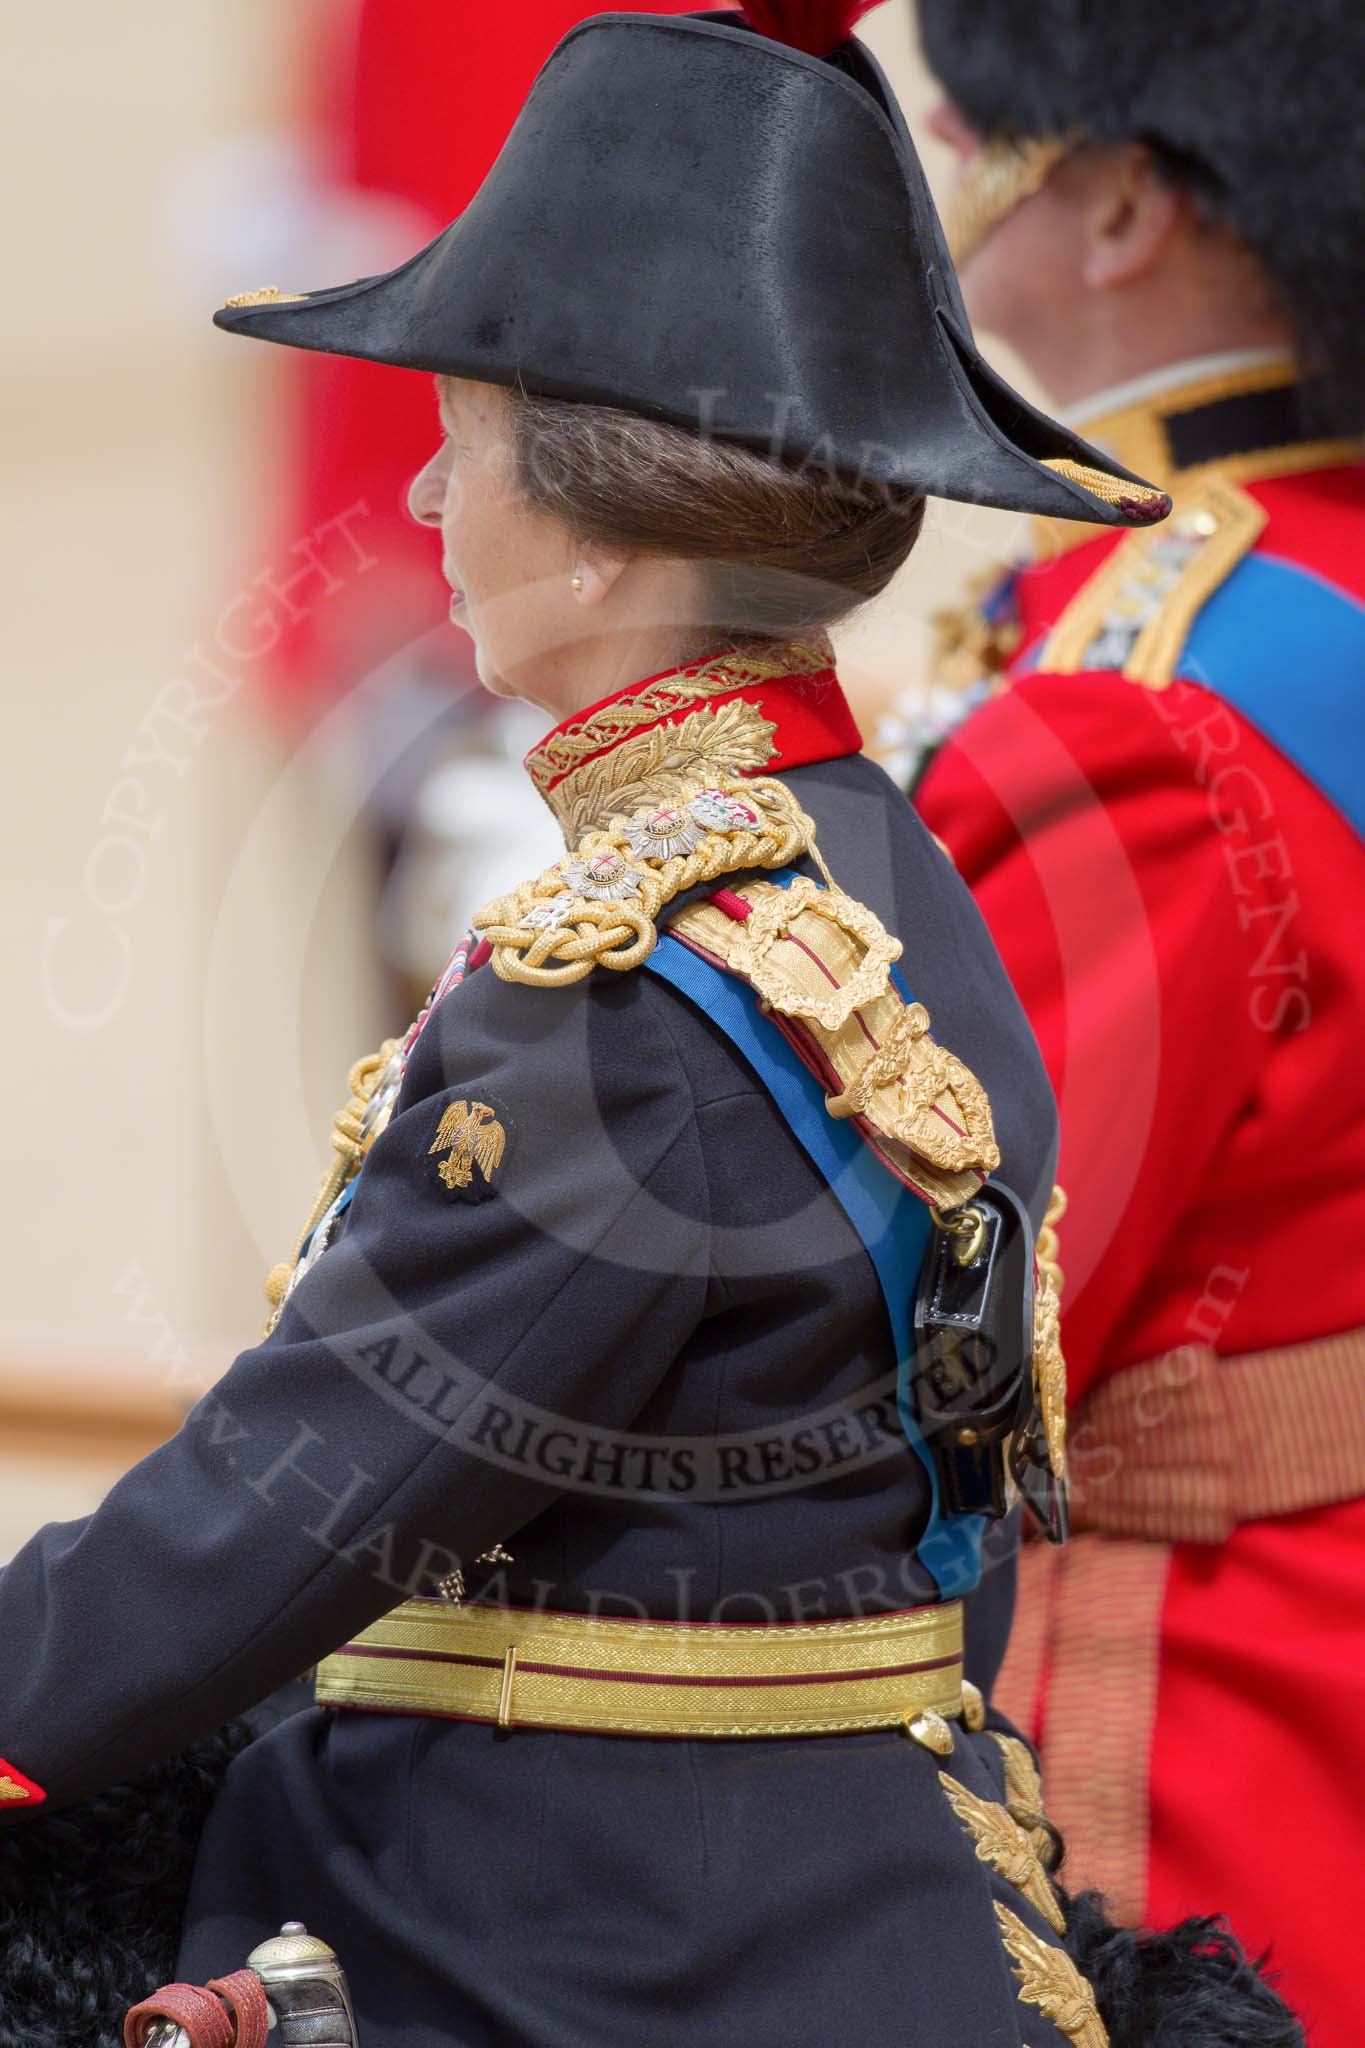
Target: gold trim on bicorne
{"x":607,"y":763}
{"x":1135,"y":613}
{"x":615,"y":1676}
{"x":266,"y":295}
{"x":998,"y":177}
{"x":817,"y":957}
{"x":1102,"y":484}
{"x":1049,"y":1980}
{"x":9,"y":1790}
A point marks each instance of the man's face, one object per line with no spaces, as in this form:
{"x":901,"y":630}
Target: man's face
{"x":1026,"y":279}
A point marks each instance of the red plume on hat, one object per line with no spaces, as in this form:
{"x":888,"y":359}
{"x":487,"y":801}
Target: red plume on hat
{"x":815,"y":26}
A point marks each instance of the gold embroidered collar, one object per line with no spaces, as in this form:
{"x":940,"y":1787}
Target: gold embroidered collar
{"x":743,"y":712}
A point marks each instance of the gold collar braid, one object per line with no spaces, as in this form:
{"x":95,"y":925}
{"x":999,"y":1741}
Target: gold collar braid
{"x":653,"y":744}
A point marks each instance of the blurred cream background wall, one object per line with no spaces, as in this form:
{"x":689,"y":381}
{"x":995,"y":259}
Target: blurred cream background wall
{"x":186,"y":892}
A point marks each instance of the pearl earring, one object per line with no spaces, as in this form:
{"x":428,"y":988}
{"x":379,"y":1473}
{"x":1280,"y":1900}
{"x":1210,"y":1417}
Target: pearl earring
{"x":576,"y":583}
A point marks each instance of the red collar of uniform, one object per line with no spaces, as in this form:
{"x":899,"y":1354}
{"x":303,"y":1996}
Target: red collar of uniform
{"x":745,"y":712}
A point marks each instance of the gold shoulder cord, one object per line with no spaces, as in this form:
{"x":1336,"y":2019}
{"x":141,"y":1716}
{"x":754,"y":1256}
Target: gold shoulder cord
{"x":350,"y":1141}
{"x":599,"y":907}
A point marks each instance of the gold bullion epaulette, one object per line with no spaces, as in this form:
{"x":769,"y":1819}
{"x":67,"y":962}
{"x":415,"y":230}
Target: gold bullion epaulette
{"x":599,"y":907}
{"x":1135,"y":613}
{"x":821,"y":964}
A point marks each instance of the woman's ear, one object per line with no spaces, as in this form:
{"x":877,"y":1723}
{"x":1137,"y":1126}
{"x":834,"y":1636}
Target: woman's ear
{"x":1130,"y":215}
{"x":596,"y":573}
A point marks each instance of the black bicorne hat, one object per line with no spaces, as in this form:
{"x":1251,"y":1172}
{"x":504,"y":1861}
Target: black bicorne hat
{"x":694,"y":221}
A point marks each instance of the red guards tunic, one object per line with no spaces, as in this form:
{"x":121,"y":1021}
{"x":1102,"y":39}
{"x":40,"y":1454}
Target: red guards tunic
{"x":1182,"y":910}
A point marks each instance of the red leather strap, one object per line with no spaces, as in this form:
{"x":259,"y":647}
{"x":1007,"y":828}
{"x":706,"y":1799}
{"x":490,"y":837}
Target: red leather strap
{"x":227,"y":2012}
{"x":203,"y":2017}
{"x":244,"y":1996}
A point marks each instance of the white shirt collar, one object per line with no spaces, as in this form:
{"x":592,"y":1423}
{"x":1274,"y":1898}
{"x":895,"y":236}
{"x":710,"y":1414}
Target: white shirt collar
{"x":1140,"y":390}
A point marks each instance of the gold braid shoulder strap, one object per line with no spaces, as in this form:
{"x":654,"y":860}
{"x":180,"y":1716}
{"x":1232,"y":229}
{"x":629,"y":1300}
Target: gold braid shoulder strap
{"x":821,"y":964}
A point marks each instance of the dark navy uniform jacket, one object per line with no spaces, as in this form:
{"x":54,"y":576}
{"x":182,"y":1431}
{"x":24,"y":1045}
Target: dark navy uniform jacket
{"x":654,"y":1254}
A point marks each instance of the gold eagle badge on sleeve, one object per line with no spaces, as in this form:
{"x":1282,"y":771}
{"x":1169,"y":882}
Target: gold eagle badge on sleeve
{"x":471,"y":1135}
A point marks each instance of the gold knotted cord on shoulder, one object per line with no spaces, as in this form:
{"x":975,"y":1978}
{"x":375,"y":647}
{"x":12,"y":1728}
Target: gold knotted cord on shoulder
{"x":599,"y":907}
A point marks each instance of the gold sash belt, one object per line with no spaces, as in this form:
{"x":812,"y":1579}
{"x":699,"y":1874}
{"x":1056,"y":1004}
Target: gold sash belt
{"x":533,"y":1667}
{"x":1179,"y":1449}
{"x":1184,"y":1447}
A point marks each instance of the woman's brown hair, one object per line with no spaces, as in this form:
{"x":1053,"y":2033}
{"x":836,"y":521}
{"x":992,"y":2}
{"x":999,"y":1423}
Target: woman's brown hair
{"x":782,"y":551}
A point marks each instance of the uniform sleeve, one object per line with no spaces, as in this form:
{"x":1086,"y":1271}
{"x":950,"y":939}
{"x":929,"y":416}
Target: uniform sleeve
{"x":1092,"y":819}
{"x":444,"y":1371}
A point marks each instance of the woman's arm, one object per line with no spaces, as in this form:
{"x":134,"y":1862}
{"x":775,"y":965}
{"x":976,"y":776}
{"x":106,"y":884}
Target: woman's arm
{"x":432,"y":1384}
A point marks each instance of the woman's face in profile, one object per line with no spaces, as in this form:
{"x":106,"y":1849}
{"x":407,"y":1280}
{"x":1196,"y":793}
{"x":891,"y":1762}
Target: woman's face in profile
{"x":510,"y":567}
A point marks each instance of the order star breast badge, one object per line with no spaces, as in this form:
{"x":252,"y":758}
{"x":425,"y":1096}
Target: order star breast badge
{"x":16,"y":1790}
{"x":473,"y":1138}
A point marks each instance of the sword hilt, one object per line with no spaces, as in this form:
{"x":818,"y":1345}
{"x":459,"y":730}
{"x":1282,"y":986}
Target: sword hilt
{"x":307,"y":1990}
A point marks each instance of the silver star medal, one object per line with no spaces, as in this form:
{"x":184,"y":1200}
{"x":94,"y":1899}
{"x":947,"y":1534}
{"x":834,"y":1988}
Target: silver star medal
{"x":662,"y":833}
{"x":605,"y":877}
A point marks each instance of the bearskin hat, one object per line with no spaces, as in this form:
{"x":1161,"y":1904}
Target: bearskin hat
{"x":1252,"y":105}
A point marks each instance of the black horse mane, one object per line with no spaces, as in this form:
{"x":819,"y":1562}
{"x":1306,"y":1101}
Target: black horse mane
{"x":92,"y":1899}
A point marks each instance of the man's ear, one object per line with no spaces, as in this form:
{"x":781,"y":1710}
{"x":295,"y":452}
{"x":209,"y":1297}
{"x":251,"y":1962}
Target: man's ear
{"x":1131,"y":214}
{"x":596,"y":573}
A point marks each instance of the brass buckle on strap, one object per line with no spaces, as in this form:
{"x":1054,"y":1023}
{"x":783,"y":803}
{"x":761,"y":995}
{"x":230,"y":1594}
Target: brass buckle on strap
{"x":769,"y":923}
